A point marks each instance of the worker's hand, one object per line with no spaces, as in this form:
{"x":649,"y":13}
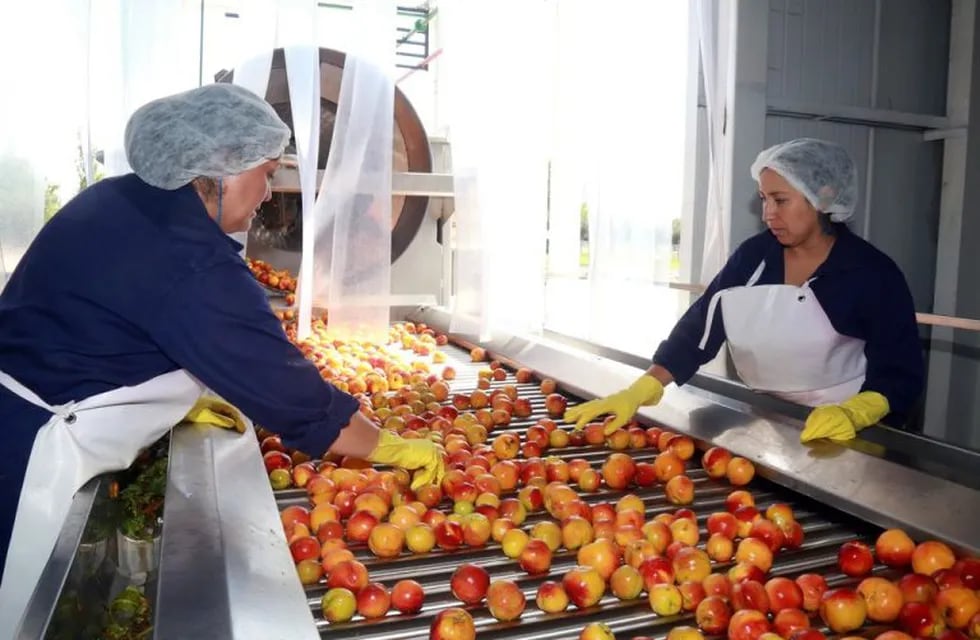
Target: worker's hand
{"x":213,"y":410}
{"x":646,"y":391}
{"x":413,"y":454}
{"x":841,"y":422}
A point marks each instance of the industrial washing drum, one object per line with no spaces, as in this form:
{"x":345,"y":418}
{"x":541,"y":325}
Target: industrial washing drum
{"x":276,"y":234}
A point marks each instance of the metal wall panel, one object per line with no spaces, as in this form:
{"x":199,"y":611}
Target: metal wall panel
{"x":821,"y":51}
{"x":904,"y":222}
{"x":914,"y":55}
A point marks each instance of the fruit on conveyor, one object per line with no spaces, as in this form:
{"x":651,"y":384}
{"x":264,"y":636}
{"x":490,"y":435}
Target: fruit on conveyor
{"x":273,"y":278}
{"x":721,"y":576}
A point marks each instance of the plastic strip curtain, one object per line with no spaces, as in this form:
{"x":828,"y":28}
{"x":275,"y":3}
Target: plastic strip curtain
{"x":715,"y":82}
{"x":258,"y":26}
{"x":469,"y":291}
{"x":498,"y":131}
{"x":297,"y":35}
{"x":158,"y":55}
{"x":352,"y":221}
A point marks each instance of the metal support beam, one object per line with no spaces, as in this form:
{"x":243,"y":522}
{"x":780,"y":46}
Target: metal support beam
{"x":746,"y":114}
{"x":434,"y":185}
{"x":944,"y":134}
{"x":882,"y":118}
{"x":961,"y":61}
{"x":696,"y":168}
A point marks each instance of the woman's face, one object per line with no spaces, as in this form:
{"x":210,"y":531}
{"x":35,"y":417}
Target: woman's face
{"x":789,"y":216}
{"x":242,"y":195}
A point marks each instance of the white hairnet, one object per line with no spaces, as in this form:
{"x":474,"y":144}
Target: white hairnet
{"x":822,"y":171}
{"x":216,"y":130}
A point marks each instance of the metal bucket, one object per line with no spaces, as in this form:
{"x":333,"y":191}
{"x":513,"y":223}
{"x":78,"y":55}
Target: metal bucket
{"x":137,"y":557}
{"x":88,"y":559}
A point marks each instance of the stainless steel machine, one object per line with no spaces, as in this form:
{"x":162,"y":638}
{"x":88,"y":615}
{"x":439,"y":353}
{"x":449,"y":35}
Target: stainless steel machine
{"x":421,"y":187}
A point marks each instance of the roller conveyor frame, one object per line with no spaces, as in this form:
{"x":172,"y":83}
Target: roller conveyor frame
{"x":226,"y":570}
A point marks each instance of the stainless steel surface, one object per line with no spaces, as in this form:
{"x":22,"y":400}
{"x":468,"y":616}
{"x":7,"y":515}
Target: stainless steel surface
{"x":42,"y":603}
{"x":825,"y":532}
{"x":225,"y":570}
{"x":873,"y":489}
{"x":935,"y":457}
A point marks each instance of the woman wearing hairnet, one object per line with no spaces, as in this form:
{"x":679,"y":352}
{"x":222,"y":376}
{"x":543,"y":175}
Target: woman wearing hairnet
{"x":811,"y":312}
{"x":131,"y":302}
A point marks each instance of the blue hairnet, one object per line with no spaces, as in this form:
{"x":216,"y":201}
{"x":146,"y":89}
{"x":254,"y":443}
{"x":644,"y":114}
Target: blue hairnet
{"x":216,"y":130}
{"x":822,"y":171}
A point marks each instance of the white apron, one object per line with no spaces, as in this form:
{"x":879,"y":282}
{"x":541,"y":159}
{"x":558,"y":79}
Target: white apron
{"x":81,"y":440}
{"x":782,"y":343}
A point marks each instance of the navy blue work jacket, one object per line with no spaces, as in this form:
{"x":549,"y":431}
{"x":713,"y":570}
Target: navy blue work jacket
{"x":128,"y":282}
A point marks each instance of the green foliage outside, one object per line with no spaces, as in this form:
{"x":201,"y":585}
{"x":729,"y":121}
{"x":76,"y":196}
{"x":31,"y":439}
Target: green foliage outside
{"x":52,"y":200}
{"x":97,"y":170}
{"x":583,"y":258}
{"x":52,"y":197}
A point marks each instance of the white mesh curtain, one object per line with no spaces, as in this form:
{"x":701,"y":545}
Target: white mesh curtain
{"x":147,"y":49}
{"x":80,"y":68}
{"x":297,"y":34}
{"x":469,"y":296}
{"x":258,"y":24}
{"x":351,"y":257}
{"x":22,"y":179}
{"x":715,"y":78}
{"x":619,"y":149}
{"x":500,"y":93}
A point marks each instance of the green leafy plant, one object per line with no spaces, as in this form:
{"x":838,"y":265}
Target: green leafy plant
{"x":128,"y":617}
{"x":142,"y":502}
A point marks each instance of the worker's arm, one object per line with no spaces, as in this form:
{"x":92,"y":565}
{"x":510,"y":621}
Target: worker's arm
{"x":682,"y":353}
{"x":217,"y":325}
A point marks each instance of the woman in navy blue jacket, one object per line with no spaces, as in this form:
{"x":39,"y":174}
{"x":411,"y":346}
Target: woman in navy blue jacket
{"x":811,"y":312}
{"x":131,"y":302}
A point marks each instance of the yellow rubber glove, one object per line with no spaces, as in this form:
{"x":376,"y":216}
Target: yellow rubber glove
{"x":418,"y":453}
{"x":213,"y":410}
{"x":841,"y":422}
{"x":646,"y":391}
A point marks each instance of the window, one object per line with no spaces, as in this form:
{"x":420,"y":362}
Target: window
{"x":617,"y":173}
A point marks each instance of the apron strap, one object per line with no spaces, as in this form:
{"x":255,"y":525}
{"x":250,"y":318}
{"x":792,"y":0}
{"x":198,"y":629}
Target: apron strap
{"x":26,"y":394}
{"x":64,"y":411}
{"x":713,"y":304}
{"x":756,"y":274}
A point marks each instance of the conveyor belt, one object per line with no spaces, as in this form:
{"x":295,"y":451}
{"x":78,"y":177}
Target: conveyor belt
{"x":825,"y":530}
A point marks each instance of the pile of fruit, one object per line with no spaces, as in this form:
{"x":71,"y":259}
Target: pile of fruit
{"x":494,"y":482}
{"x":272,"y":278}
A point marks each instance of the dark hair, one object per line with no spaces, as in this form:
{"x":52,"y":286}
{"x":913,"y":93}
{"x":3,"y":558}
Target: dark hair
{"x":828,"y":226}
{"x":206,"y":187}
